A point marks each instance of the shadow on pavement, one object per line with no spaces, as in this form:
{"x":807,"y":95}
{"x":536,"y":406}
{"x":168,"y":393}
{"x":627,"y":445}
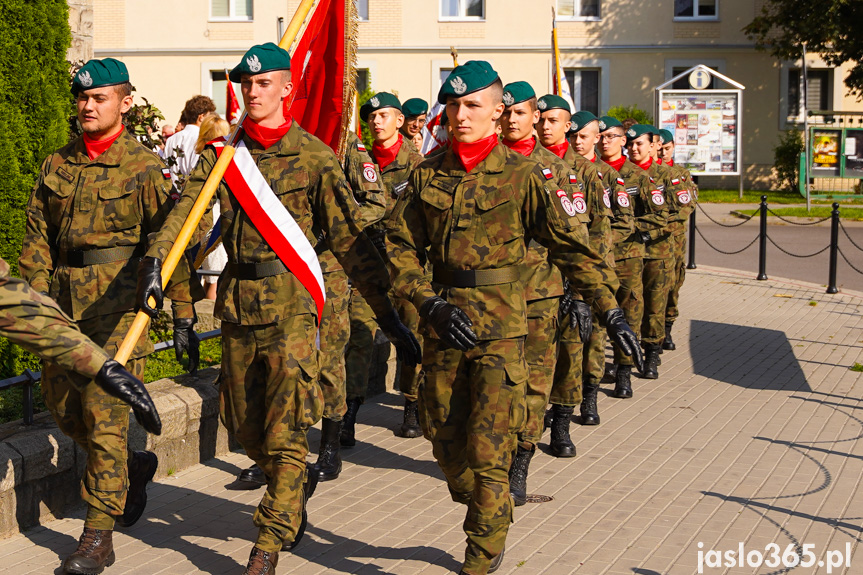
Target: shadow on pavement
{"x":750,"y":357}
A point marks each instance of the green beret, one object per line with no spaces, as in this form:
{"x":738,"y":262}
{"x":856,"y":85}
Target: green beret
{"x":98,"y":73}
{"x":637,"y":130}
{"x":516,"y":93}
{"x":415,"y":107}
{"x":665,"y":136}
{"x":470,"y":77}
{"x":377,"y":102}
{"x":552,"y":102}
{"x":260,"y":59}
{"x":607,"y":122}
{"x":581,"y":119}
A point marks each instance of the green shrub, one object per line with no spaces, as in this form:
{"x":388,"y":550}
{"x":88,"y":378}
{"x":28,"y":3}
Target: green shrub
{"x":786,"y":159}
{"x":362,"y":98}
{"x":623,"y":112}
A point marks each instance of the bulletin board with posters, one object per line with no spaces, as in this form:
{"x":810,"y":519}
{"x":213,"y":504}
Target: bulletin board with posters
{"x":852,"y":153}
{"x":706,"y":129}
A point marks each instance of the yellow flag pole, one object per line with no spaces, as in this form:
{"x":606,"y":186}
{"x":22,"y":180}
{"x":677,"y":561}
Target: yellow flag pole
{"x":559,"y":83}
{"x":454,"y":53}
{"x":203,"y":202}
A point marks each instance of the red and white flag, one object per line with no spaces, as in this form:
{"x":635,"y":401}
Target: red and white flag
{"x":434,"y":134}
{"x":232,"y":105}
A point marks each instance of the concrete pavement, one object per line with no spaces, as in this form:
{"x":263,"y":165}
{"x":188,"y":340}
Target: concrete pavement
{"x":751,"y":436}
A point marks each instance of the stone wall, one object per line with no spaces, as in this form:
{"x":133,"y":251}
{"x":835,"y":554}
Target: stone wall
{"x":81,"y":24}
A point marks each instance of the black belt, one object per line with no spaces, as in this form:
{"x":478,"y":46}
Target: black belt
{"x":244,"y":271}
{"x":476,"y":278}
{"x":84,"y":258}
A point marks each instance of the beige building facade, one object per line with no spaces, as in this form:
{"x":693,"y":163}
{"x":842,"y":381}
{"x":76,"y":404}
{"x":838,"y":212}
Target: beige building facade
{"x":614,"y":52}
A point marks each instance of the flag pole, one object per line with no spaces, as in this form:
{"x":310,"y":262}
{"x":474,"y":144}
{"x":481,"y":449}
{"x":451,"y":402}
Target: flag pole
{"x":454,"y":53}
{"x":558,"y":85}
{"x":202,"y":203}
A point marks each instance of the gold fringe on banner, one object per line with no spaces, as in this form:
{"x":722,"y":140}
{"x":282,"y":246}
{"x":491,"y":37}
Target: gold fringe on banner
{"x":350,"y":90}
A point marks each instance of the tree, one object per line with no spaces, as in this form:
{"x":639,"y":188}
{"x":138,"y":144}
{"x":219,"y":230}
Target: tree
{"x":624,"y":112}
{"x":830,"y":28}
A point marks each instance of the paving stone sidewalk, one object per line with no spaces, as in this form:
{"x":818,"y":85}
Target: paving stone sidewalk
{"x":752,"y":436}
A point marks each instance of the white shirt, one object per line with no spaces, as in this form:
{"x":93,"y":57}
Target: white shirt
{"x":184,"y":140}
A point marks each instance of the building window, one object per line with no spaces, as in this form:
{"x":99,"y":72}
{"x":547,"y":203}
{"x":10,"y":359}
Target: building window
{"x":696,"y":9}
{"x":363,"y":9}
{"x":363,"y":80}
{"x":584,"y":87}
{"x":462,"y":9}
{"x":818,"y":95}
{"x":231,"y":10}
{"x":219,"y":91}
{"x":683,"y":83}
{"x":578,"y":9}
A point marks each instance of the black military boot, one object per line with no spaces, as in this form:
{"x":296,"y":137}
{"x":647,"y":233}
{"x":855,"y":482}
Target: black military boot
{"x":668,"y":343}
{"x":252,"y":478}
{"x":95,"y":552}
{"x":561,"y":445}
{"x":142,"y":468}
{"x":411,"y":424}
{"x":622,"y":383}
{"x":610,"y":372}
{"x":589,"y":414}
{"x":329,"y":463}
{"x":346,"y":438}
{"x":651,"y":361}
{"x":518,"y":474}
{"x":262,"y":562}
{"x":548,"y":418}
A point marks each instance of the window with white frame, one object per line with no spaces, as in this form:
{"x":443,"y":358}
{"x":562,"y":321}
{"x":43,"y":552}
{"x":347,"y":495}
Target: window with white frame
{"x":696,"y":9}
{"x":238,"y":10}
{"x":363,"y":9}
{"x":462,"y":9}
{"x":578,"y":9}
{"x":363,"y":80}
{"x":584,"y":87}
{"x":219,"y":91}
{"x":818,"y":91}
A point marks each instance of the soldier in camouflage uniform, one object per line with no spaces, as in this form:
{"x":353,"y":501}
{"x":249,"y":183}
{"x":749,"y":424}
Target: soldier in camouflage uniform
{"x":658,"y":256}
{"x":584,"y":136}
{"x":416,"y":113}
{"x":686,"y":194}
{"x":36,"y":323}
{"x":474,"y":208}
{"x":554,"y":124}
{"x":270,"y":393}
{"x":88,"y":218}
{"x":651,"y":218}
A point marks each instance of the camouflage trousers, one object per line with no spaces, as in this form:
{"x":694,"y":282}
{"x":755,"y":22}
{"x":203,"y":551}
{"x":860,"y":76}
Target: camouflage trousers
{"x":269,"y":397}
{"x":97,"y":421}
{"x":678,"y":275}
{"x":358,"y":354}
{"x":630,"y":298}
{"x":540,"y":353}
{"x":471,"y":407}
{"x":409,"y":376}
{"x":334,"y":333}
{"x":566,"y":389}
{"x":594,"y":356}
{"x":657,"y":280}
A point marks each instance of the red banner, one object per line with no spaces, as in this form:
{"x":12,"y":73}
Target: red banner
{"x":232,"y":105}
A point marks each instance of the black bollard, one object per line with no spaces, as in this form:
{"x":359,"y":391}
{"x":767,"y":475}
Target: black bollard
{"x":691,"y":264}
{"x":762,"y":242}
{"x":834,"y":248}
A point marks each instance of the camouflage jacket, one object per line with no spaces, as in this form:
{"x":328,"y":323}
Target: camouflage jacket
{"x":614,"y":190}
{"x":650,"y":217}
{"x":661,"y":178}
{"x":483,"y":220}
{"x":306,"y":176}
{"x":117,"y":199}
{"x":396,"y":175}
{"x":686,"y":192}
{"x":365,"y":182}
{"x":590,"y":184}
{"x":37,"y":324}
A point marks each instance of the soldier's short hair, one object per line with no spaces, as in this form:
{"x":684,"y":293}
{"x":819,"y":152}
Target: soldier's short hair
{"x":628,"y":123}
{"x":497,"y":91}
{"x":197,"y":106}
{"x":124,"y":89}
{"x":532,"y":103}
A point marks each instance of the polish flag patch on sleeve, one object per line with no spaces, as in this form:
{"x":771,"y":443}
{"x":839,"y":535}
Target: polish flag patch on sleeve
{"x":573,"y":179}
{"x":547,"y":173}
{"x":621,"y":182}
{"x":361,"y":147}
{"x":675,"y":181}
{"x":166,"y":173}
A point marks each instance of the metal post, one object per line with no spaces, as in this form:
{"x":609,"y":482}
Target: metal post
{"x":28,"y":398}
{"x":806,"y":143}
{"x":762,"y":242}
{"x":834,"y":248}
{"x":691,"y":264}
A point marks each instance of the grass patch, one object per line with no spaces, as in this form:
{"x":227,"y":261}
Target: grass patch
{"x":818,"y":212}
{"x":813,"y":303}
{"x":164,"y":363}
{"x":856,"y":367}
{"x":773,"y":197}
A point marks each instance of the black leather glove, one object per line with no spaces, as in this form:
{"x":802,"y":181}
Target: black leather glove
{"x":580,"y":317}
{"x":565,"y":303}
{"x":186,"y":340}
{"x":450,"y":323}
{"x":408,"y":348}
{"x":149,"y":285}
{"x":379,"y":239}
{"x":645,"y":237}
{"x":114,"y":379}
{"x":622,"y":336}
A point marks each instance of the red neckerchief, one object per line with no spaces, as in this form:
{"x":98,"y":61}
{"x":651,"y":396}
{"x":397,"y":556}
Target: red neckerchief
{"x":524,"y":147}
{"x":646,"y":165}
{"x":670,"y":163}
{"x":618,"y":163}
{"x":593,"y":159}
{"x":559,"y":150}
{"x":266,"y":136}
{"x":386,"y":156}
{"x":96,"y":148}
{"x":471,"y":154}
